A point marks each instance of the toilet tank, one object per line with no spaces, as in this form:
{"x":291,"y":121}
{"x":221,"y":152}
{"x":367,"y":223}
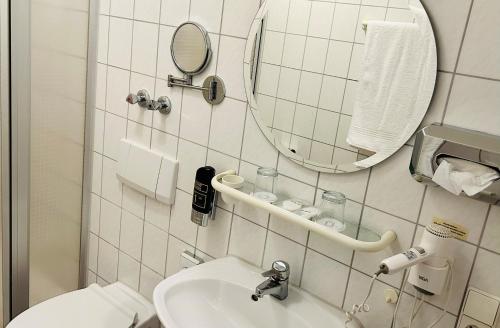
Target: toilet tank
{"x":131,"y":299}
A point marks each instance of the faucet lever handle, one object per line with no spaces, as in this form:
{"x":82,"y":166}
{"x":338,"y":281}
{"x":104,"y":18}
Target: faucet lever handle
{"x":280,"y":271}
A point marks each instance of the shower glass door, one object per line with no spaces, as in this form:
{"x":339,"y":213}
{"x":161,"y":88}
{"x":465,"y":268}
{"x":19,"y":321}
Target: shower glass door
{"x":50,"y":73}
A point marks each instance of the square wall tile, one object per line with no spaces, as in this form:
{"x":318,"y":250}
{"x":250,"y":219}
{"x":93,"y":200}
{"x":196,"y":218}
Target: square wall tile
{"x":281,"y":248}
{"x":147,"y":10}
{"x":129,"y":271}
{"x":256,"y":148}
{"x":332,"y":93}
{"x":148,"y":281}
{"x":157,"y":214}
{"x":316,"y":268}
{"x":144,"y":48}
{"x":293,"y":51}
{"x":131,"y":233}
{"x":122,"y":8}
{"x":339,"y":56}
{"x":298,"y":17}
{"x":213,"y":240}
{"x":238,"y":17}
{"x":353,"y":185}
{"x":107,"y":266}
{"x":344,"y":22}
{"x":310,"y":88}
{"x":491,"y":237}
{"x":224,"y":137}
{"x":175,"y":248}
{"x":133,"y":201}
{"x":325,"y":129}
{"x":101,"y":80}
{"x":229,"y":66}
{"x":195,"y":117}
{"x":118,"y":82}
{"x":277,"y":21}
{"x":180,"y":223}
{"x":315,"y":55}
{"x":111,"y":186}
{"x":116,"y":129}
{"x":174,"y":12}
{"x":103,"y":39}
{"x":482,"y":277}
{"x":381,"y":313}
{"x":303,"y":124}
{"x":470,"y":213}
{"x":207,"y":13}
{"x":247,"y":240}
{"x":448,"y":18}
{"x":110,"y":223}
{"x":154,"y":248}
{"x":474,"y":104}
{"x":400,"y":195}
{"x":321,"y":20}
{"x":120,"y":42}
{"x":289,"y":84}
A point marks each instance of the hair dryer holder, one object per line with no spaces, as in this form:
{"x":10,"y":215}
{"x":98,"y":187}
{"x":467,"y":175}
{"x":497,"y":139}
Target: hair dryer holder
{"x":437,"y":141}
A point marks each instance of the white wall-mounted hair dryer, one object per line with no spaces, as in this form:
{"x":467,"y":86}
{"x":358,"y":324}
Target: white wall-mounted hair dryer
{"x":431,"y":271}
{"x":429,"y":261}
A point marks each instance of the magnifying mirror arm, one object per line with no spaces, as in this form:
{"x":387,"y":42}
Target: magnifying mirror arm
{"x":213,"y":88}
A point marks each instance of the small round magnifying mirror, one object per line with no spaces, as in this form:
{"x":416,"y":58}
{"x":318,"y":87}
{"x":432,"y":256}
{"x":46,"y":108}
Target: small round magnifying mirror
{"x":191,"y":50}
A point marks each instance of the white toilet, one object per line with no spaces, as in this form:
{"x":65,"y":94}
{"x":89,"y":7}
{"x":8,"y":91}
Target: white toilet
{"x":114,"y":306}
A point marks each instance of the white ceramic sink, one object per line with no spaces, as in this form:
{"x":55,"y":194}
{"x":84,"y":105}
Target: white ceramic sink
{"x":217,"y":294}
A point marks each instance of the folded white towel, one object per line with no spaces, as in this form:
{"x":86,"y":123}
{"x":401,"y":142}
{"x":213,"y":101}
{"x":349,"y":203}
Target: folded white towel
{"x":397,"y":83}
{"x":457,"y":175}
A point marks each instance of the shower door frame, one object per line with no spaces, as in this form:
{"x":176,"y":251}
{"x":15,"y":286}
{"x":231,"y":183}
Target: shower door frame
{"x":16,"y":155}
{"x":5,"y":156}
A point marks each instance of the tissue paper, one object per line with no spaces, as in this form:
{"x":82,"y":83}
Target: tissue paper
{"x":457,"y":175}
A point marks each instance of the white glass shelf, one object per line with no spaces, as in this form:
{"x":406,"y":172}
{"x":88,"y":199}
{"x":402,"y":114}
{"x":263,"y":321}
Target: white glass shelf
{"x":354,"y":237}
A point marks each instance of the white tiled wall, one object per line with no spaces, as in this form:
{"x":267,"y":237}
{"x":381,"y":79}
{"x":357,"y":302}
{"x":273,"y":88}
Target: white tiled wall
{"x":138,"y":240}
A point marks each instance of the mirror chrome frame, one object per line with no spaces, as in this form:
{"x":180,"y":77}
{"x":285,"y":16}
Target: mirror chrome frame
{"x":208,"y":49}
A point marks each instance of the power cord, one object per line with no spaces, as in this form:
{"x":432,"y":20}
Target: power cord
{"x":363,"y":307}
{"x":414,"y":313}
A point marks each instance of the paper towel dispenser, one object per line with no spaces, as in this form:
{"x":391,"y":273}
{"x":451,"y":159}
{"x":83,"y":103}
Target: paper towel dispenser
{"x":440,"y":141}
{"x":148,"y":172}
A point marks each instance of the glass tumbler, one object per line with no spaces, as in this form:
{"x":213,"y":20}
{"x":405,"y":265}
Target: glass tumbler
{"x":332,"y":210}
{"x":264,"y":184}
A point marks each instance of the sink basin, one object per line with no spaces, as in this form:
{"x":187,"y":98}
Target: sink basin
{"x":217,"y":295}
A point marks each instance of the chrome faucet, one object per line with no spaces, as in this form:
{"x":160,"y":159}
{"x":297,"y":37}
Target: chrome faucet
{"x":277,"y":284}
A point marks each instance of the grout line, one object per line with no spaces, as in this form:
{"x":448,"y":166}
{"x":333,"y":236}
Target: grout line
{"x":448,"y":98}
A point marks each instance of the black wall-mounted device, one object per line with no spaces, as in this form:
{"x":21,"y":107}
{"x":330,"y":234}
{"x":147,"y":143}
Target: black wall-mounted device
{"x":203,"y":208}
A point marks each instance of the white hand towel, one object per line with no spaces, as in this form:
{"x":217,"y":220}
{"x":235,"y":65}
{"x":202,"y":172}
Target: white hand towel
{"x":457,"y":175}
{"x":399,"y":61}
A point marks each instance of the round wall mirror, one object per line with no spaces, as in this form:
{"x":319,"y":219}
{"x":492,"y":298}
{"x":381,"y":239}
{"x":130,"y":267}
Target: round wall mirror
{"x":190,"y":48}
{"x":340,"y":87}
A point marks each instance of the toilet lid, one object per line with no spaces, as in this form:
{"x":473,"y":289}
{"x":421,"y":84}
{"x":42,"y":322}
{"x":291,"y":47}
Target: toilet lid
{"x":86,"y":308}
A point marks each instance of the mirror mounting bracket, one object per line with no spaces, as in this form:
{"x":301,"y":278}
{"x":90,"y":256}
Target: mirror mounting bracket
{"x":213,"y":89}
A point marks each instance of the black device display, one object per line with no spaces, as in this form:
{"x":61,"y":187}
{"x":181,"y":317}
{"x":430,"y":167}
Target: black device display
{"x":203,"y":207}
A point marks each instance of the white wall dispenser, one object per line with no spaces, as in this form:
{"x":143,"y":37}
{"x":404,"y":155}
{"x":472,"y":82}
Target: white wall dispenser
{"x":149,"y":172}
{"x":472,"y":161}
